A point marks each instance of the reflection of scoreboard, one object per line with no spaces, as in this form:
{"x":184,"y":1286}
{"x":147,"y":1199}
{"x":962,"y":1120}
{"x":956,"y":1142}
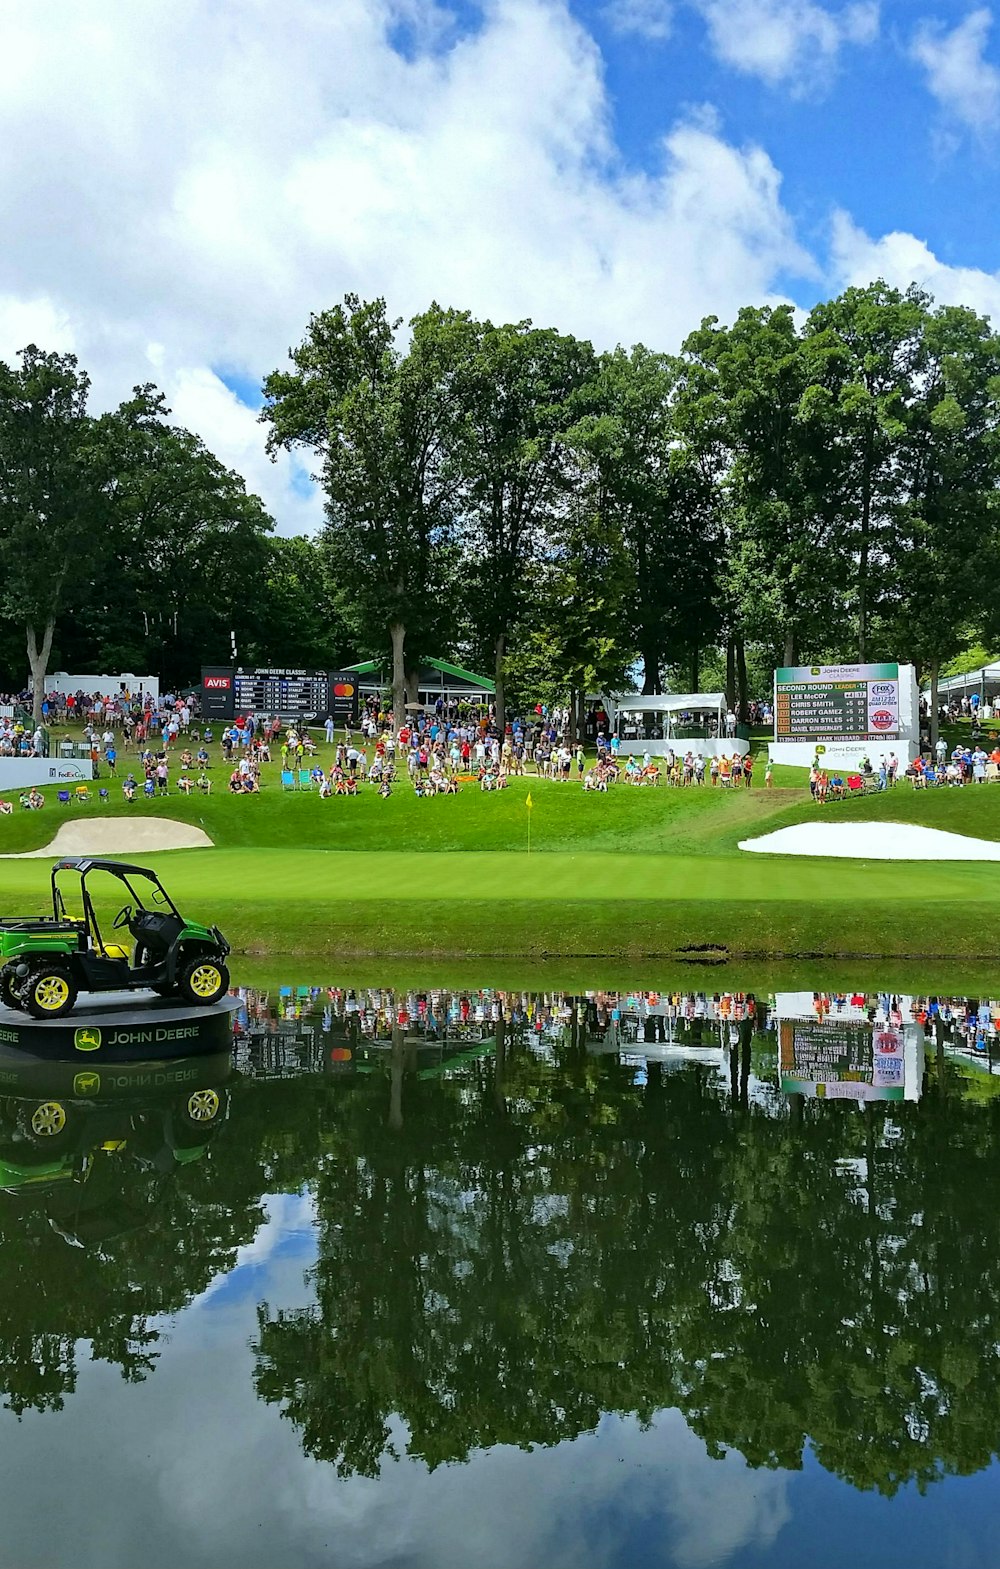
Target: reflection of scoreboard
{"x":295,"y":694}
{"x":304,"y":695}
{"x":808,"y":711}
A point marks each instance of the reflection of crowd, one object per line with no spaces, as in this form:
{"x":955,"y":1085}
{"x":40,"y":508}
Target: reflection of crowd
{"x":438,"y":1015}
{"x":962,"y":1021}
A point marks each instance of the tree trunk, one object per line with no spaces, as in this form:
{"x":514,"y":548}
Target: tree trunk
{"x":935,"y":673}
{"x":651,"y":673}
{"x":397,"y":632}
{"x":731,"y":673}
{"x":695,"y":668}
{"x":411,"y":686}
{"x":38,"y":660}
{"x":500,"y":1067}
{"x":743,"y":712}
{"x":863,"y":554}
{"x":500,"y":700}
{"x":396,"y":1079}
{"x":791,"y":653}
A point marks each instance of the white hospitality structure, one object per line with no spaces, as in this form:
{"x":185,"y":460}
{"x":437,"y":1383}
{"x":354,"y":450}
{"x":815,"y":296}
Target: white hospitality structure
{"x":675,"y":722}
{"x":104,"y":686}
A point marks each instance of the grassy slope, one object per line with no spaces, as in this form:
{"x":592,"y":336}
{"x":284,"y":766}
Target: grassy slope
{"x":632,"y":873}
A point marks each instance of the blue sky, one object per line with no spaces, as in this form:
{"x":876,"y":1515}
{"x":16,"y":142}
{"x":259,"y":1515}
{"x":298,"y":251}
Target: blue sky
{"x":210,"y":175}
{"x":866,"y":135}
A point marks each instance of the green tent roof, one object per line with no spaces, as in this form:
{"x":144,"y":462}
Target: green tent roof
{"x":369,"y":667}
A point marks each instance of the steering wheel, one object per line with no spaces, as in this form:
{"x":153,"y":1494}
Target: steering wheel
{"x":123,"y":917}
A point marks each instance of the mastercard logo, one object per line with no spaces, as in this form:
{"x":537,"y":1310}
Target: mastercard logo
{"x":340,"y":1054}
{"x":343,"y":689}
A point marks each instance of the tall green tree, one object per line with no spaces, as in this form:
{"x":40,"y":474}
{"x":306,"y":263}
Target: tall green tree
{"x":663,"y":503}
{"x":944,"y":568}
{"x":380,"y":422}
{"x":520,"y":387}
{"x":189,"y":544}
{"x":785,"y":557}
{"x":53,"y":501}
{"x":867,"y":357}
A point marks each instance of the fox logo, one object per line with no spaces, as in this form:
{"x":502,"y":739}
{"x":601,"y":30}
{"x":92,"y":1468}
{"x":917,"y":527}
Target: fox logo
{"x":87,"y":1039}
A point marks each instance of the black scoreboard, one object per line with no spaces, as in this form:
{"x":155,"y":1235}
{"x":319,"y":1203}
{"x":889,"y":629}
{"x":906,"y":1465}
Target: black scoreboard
{"x":305,"y":695}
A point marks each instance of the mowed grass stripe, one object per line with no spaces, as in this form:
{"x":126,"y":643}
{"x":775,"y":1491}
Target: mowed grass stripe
{"x":286,"y":877}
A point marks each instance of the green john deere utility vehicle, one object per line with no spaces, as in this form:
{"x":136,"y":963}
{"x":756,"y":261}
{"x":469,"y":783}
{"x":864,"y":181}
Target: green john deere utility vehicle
{"x":47,"y":960}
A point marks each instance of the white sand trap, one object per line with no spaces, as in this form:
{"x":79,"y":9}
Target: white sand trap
{"x":873,"y":842}
{"x":118,"y":836}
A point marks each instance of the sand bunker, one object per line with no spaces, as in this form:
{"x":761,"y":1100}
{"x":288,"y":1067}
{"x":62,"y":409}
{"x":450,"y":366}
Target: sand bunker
{"x":118,"y":836}
{"x":873,"y":842}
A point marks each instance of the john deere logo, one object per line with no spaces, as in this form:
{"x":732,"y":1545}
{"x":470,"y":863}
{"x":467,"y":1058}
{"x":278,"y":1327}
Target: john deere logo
{"x":87,"y":1039}
{"x":86,"y":1084}
{"x":815,"y":670}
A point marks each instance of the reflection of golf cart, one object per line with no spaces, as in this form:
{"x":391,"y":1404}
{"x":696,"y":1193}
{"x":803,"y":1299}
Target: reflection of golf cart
{"x":49,"y":959}
{"x":95,"y":1154}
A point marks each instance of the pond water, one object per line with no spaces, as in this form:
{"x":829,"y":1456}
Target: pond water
{"x":449,"y":1278}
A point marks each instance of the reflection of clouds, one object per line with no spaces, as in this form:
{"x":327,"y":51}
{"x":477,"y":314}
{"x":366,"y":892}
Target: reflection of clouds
{"x":193,"y":1472}
{"x":579,"y":1503}
{"x":288,"y":1215}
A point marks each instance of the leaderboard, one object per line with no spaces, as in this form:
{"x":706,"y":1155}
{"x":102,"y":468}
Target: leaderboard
{"x":807,"y":712}
{"x":304,"y":695}
{"x":836,"y":703}
{"x":296,"y":693}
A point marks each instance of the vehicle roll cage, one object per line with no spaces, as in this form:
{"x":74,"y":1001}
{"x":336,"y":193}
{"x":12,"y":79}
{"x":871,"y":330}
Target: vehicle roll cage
{"x":84,"y":865}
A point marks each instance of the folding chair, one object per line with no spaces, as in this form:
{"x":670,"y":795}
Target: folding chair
{"x":306,"y":780}
{"x":287,"y":779}
{"x":104,"y":795}
{"x":63,"y":797}
{"x":82,"y":793}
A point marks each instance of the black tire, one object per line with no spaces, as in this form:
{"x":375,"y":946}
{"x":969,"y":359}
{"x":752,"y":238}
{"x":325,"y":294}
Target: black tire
{"x":50,"y":991}
{"x":193,"y":980}
{"x":9,"y":994}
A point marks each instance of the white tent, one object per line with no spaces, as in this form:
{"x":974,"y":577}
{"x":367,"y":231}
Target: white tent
{"x":985,"y":681}
{"x":671,"y":721}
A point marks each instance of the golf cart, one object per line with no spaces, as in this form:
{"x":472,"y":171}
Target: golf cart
{"x":48,"y":959}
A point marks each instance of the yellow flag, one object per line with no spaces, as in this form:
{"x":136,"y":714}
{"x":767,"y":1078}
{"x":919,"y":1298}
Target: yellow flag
{"x":529,"y":803}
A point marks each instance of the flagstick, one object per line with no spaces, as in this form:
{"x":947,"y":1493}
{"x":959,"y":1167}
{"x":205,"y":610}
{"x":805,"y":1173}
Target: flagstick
{"x":529,"y":831}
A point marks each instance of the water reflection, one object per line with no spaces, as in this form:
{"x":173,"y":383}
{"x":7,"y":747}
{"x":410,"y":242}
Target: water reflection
{"x":532,"y":1214}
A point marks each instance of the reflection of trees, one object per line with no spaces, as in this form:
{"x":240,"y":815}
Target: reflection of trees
{"x":504,"y":1270}
{"x":158,"y":1232}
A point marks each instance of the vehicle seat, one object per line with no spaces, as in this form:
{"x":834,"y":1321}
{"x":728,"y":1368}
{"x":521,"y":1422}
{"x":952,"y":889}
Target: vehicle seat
{"x":112,"y":950}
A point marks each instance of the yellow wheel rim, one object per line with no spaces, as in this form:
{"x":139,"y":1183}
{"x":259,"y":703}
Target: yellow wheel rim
{"x":48,"y":1119}
{"x":51,"y":992}
{"x":203,"y":1105}
{"x":205,"y":980}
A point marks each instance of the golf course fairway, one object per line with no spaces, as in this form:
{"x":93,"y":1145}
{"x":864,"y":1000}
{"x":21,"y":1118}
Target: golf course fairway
{"x":636,"y":873}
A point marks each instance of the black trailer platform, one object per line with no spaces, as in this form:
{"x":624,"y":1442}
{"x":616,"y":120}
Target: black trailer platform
{"x":122,"y":1027}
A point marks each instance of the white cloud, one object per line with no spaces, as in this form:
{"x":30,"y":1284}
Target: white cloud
{"x":651,"y":19}
{"x":208,"y":175}
{"x":786,"y":41}
{"x":965,"y":84}
{"x":902,"y":259}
